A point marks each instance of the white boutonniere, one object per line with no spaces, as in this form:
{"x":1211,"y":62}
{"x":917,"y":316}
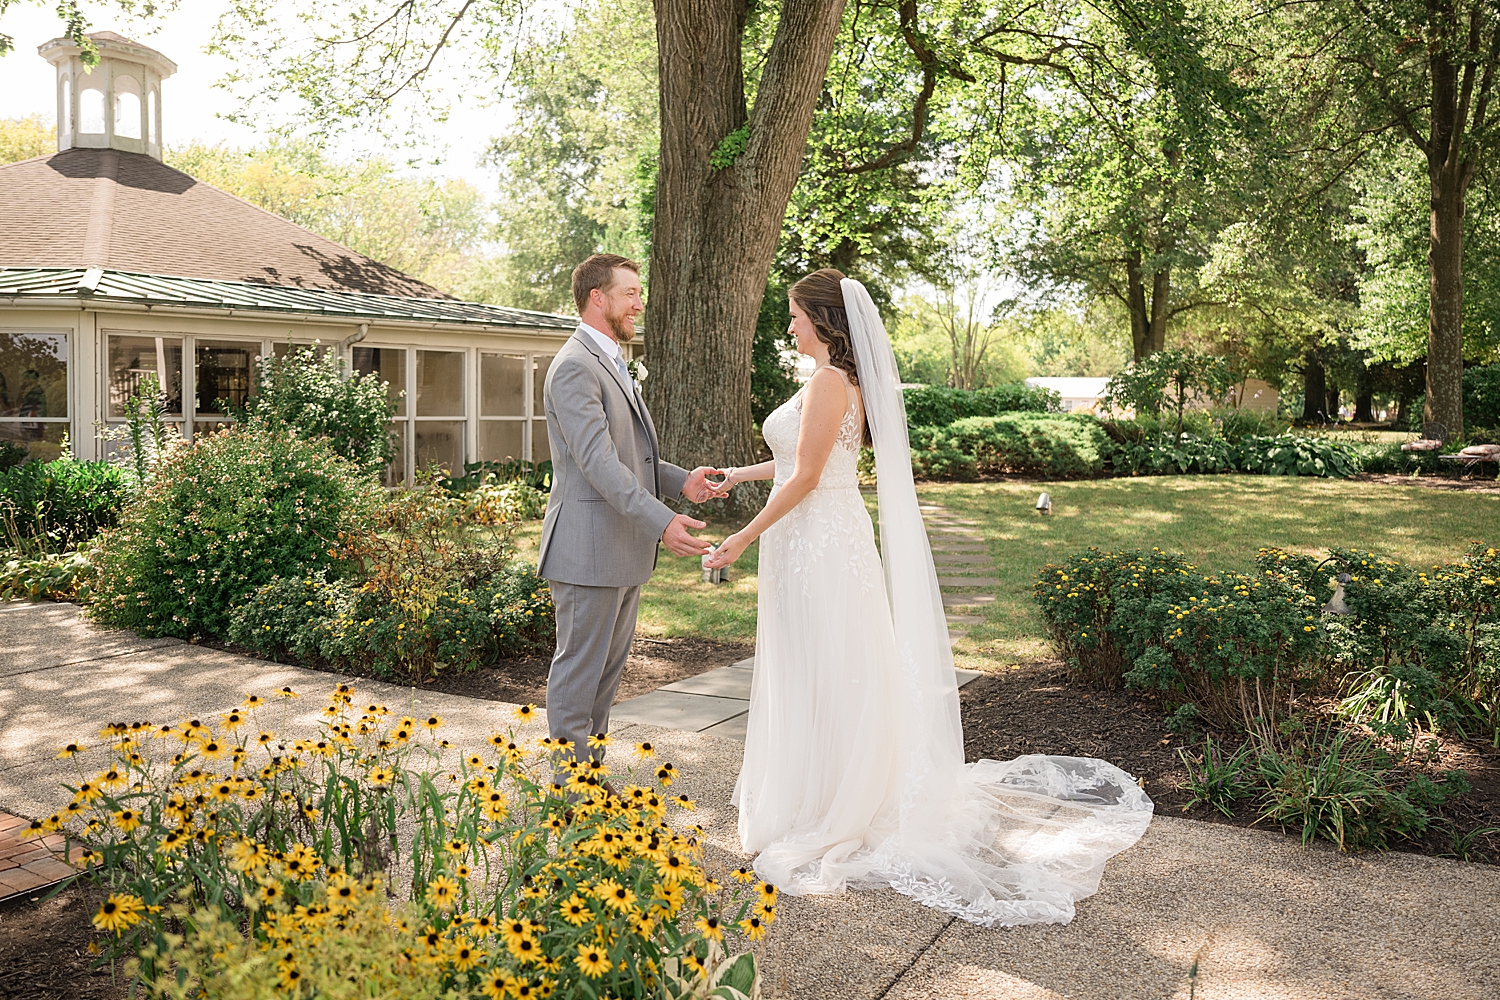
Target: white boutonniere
{"x":637,"y":371}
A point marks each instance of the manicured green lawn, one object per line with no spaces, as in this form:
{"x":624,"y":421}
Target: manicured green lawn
{"x":1217,"y":521}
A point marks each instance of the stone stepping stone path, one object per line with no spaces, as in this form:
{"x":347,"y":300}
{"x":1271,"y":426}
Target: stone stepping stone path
{"x":961,"y":556}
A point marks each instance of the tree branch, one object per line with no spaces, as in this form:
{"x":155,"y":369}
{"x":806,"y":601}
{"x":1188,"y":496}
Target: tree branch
{"x":929,"y":62}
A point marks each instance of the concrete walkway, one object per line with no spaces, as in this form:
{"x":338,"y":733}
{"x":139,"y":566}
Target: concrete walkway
{"x":1262,"y":916}
{"x":717,"y":701}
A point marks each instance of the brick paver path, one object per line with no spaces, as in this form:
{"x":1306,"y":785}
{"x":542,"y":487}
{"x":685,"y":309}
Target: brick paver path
{"x":28,"y":865}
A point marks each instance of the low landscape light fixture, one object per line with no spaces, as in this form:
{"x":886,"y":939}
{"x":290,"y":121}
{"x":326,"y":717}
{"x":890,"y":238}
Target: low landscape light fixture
{"x":1336,"y":604}
{"x":1044,"y":504}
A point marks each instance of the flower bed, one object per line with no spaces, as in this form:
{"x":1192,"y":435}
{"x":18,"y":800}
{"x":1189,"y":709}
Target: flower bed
{"x":243,"y":860}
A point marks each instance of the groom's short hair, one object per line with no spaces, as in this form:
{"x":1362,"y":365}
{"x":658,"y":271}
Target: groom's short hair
{"x":598,"y":272}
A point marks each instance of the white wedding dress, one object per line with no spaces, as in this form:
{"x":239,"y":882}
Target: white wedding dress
{"x":854,"y":773}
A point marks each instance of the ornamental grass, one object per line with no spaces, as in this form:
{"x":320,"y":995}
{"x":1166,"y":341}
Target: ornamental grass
{"x":368,"y":856}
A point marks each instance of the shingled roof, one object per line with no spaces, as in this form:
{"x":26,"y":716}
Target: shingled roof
{"x":105,"y":208}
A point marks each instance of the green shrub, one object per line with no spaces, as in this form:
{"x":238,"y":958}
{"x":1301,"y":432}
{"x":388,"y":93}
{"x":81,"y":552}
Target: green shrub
{"x":1482,"y":396}
{"x":221,"y":518}
{"x":1054,"y":445}
{"x":309,"y":391}
{"x":55,"y":506}
{"x":1140,"y":448}
{"x":1236,"y":424}
{"x":427,"y":586}
{"x":1417,"y":648}
{"x":12,"y":454}
{"x":1165,"y":456}
{"x":352,"y":628}
{"x":938,"y":406}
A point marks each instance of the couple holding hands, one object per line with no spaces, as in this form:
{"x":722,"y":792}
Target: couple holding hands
{"x":854,"y":772}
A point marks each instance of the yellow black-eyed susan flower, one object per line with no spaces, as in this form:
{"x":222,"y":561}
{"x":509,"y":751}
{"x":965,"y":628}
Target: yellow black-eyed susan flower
{"x":576,"y":911}
{"x":710,"y":927}
{"x":70,"y":750}
{"x":753,"y":927}
{"x":118,"y":913}
{"x":526,"y":713}
{"x":592,"y":961}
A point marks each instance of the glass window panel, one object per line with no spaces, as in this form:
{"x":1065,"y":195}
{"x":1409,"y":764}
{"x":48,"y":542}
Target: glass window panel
{"x":541,"y":450}
{"x":500,"y":440}
{"x":395,"y":471}
{"x":502,"y":381}
{"x":539,"y":379}
{"x":131,"y":359}
{"x":33,"y":374}
{"x":440,"y":384}
{"x":440,"y":445}
{"x":224,"y":373}
{"x":389,"y":365}
{"x":42,"y":441}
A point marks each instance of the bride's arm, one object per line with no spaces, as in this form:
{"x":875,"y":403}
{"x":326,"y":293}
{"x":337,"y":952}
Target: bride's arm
{"x":748,"y":473}
{"x":824,"y":404}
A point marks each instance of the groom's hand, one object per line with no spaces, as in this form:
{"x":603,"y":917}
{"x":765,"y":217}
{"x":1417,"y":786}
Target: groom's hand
{"x":698,"y":489}
{"x":679,"y":542}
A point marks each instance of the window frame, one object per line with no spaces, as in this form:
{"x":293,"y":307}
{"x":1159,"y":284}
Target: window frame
{"x":70,"y":390}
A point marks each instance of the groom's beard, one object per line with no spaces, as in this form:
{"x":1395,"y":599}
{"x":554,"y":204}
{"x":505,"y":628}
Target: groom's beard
{"x":623,"y":327}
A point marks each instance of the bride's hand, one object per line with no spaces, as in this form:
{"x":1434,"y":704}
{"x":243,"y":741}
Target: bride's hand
{"x":730,"y":550}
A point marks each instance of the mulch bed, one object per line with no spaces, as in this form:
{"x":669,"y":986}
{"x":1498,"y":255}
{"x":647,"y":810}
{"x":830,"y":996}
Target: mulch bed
{"x":1487,"y":484}
{"x":1035,"y":708}
{"x":44,"y":948}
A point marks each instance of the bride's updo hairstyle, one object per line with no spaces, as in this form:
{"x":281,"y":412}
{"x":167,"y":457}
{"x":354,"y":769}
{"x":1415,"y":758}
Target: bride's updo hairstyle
{"x":822,"y":297}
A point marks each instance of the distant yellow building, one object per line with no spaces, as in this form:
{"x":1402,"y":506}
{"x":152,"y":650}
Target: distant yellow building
{"x":114,"y":266}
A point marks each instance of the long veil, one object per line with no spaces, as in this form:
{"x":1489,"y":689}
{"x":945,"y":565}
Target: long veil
{"x":995,"y":842}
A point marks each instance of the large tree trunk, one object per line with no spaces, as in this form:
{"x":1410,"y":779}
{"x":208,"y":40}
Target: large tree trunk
{"x":716,"y":230}
{"x":1314,"y":391}
{"x":1445,"y":335}
{"x":1148,"y":319}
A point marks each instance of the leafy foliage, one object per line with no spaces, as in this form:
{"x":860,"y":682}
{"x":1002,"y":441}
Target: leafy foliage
{"x":309,"y":392}
{"x":1482,"y":396}
{"x":1418,"y":647}
{"x":1055,"y":445}
{"x":59,"y":505}
{"x":935,"y":406}
{"x":1170,"y":381}
{"x":221,"y":518}
{"x":66,"y":576}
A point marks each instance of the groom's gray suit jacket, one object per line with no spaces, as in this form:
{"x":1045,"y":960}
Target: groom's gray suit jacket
{"x":604,"y":516}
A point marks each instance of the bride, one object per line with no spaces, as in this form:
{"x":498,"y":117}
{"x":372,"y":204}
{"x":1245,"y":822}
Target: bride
{"x":854,"y":770}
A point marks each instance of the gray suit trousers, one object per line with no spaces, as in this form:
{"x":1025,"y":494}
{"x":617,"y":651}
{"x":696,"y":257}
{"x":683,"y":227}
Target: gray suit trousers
{"x":595,"y":626}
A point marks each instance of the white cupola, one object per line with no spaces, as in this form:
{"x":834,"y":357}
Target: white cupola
{"x":115,"y":104}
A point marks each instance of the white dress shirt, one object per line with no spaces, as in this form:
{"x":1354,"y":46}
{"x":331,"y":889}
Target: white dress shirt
{"x":608,"y":344}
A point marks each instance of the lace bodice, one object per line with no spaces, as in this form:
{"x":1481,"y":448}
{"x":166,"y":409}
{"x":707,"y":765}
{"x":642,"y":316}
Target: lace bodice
{"x":781,"y":430}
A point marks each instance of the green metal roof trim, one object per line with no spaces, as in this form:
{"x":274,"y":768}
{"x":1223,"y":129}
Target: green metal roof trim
{"x":123,"y":287}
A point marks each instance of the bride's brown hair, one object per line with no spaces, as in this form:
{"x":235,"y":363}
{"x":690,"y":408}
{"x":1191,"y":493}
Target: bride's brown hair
{"x":822,"y":297}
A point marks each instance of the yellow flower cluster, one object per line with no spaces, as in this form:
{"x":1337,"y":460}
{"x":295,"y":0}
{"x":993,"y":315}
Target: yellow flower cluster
{"x":520,"y":886}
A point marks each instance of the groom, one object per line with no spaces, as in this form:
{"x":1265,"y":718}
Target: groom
{"x":604,"y":516}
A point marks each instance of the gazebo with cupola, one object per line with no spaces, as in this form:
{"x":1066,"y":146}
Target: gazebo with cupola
{"x":114,"y":266}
